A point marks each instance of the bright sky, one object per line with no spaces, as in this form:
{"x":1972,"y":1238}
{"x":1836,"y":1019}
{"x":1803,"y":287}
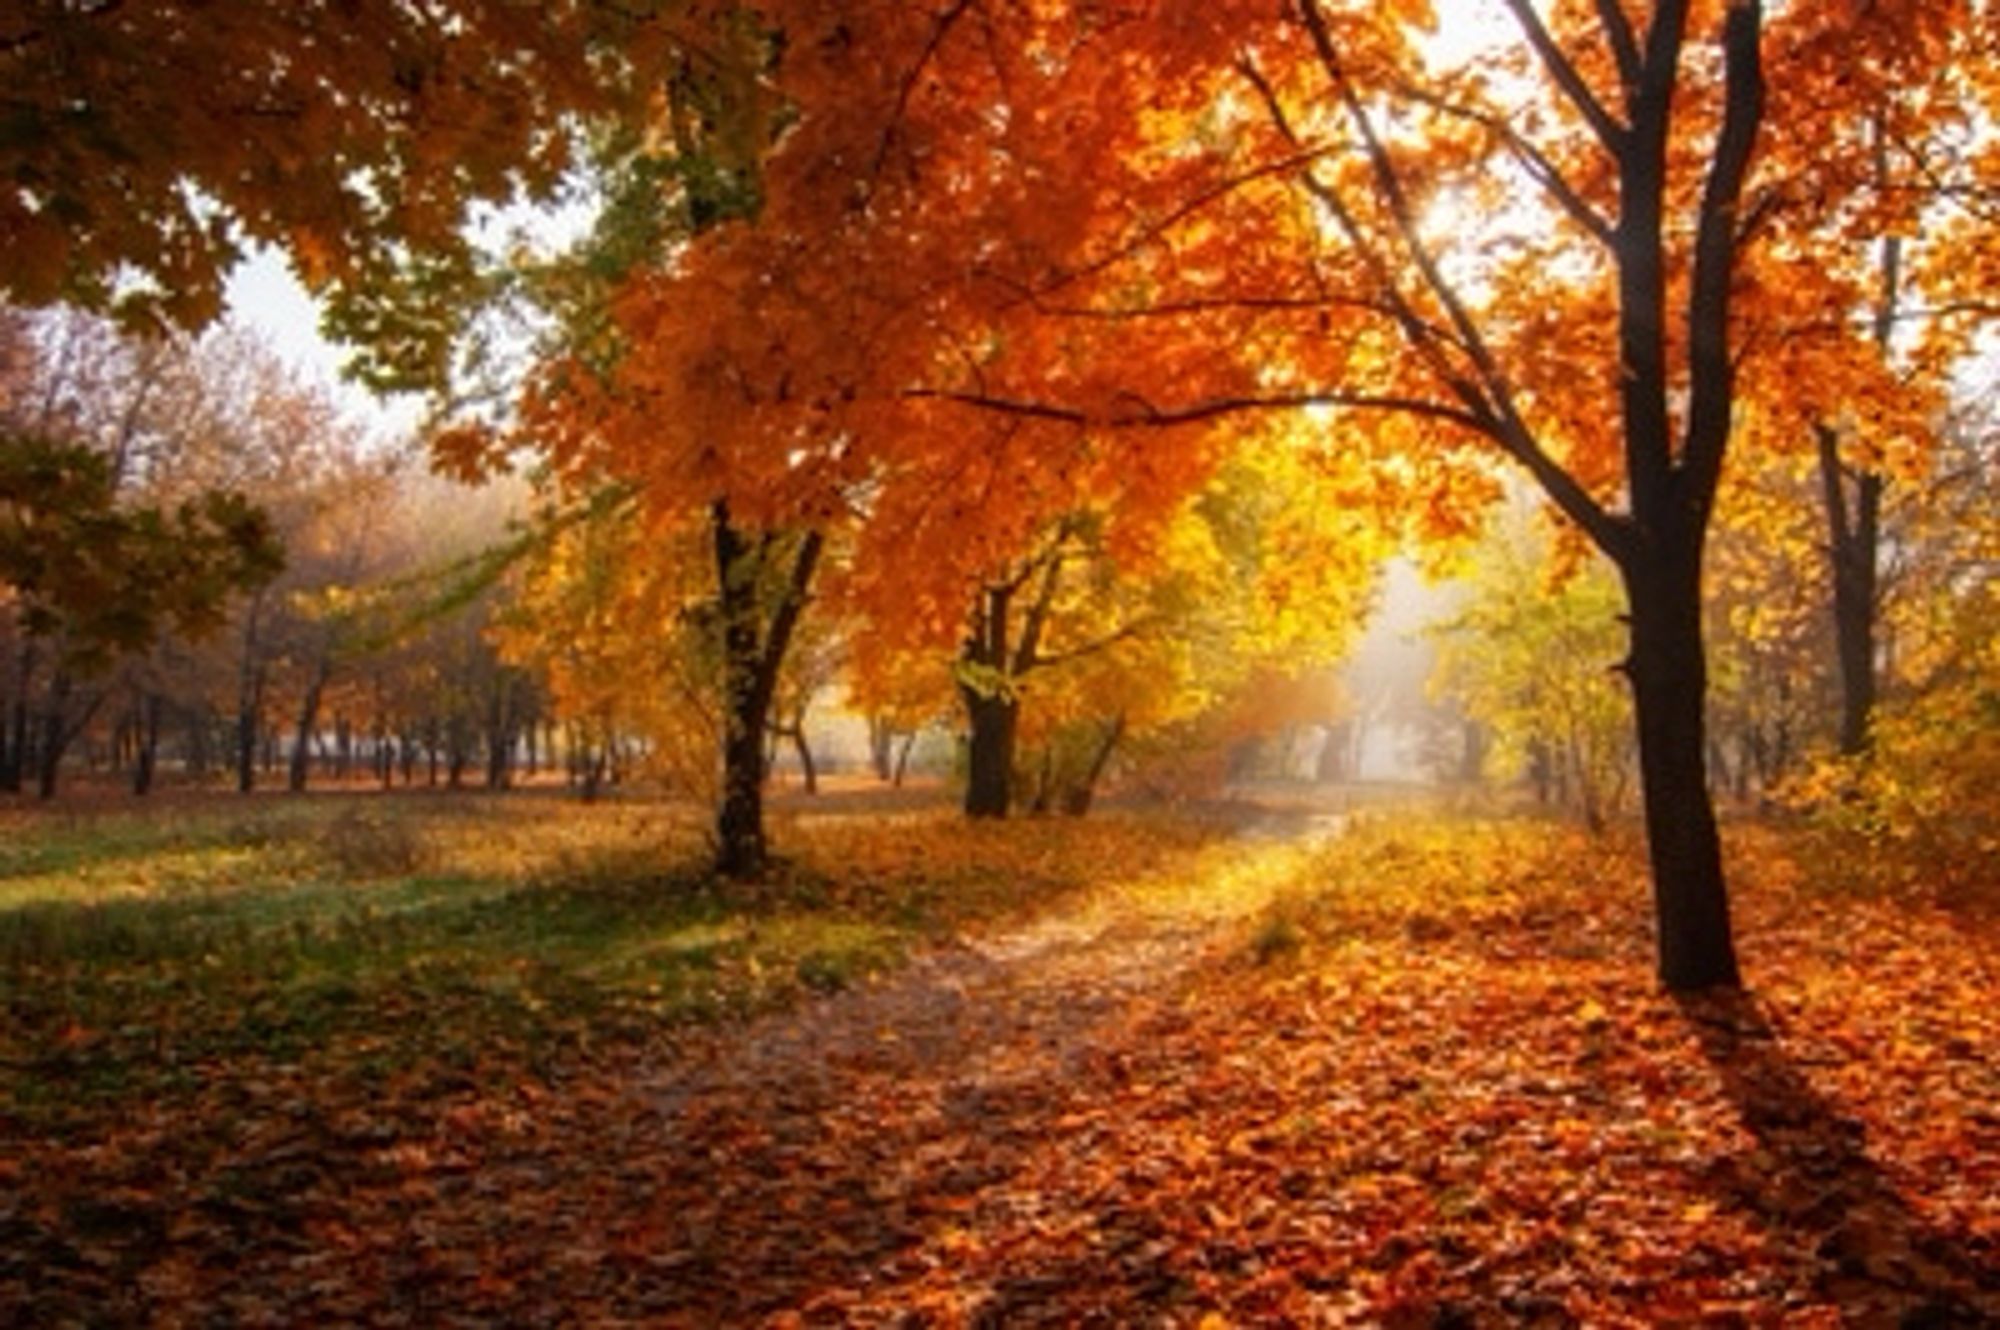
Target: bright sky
{"x":265,"y":297}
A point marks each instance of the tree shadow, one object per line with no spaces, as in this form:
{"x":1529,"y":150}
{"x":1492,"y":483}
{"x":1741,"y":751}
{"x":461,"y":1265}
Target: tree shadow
{"x":1827,"y":1208}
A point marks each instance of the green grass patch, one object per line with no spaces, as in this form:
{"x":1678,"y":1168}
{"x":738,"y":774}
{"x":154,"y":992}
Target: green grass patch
{"x":174,"y":955}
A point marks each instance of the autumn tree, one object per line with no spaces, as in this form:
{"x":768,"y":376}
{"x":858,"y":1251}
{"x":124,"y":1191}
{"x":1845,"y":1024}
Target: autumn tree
{"x":112,"y":536}
{"x":1274,"y":201}
{"x":151,"y":143}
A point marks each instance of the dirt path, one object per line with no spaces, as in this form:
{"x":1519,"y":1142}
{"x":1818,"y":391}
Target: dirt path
{"x":842,"y":1153}
{"x":845,"y":1162}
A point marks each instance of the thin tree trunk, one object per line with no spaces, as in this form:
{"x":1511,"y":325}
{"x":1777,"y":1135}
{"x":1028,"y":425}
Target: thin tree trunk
{"x":796,"y":732}
{"x":146,"y":758}
{"x":1853,"y":536}
{"x":881,"y":735}
{"x":55,"y":735}
{"x":14,"y":767}
{"x":301,"y":763}
{"x":1081,"y":795}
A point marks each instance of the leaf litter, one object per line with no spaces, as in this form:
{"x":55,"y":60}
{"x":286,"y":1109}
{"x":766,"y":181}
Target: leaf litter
{"x":1456,"y":1097}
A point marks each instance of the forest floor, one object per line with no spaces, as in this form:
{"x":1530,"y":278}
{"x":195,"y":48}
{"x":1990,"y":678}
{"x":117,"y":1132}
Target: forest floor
{"x":1264,"y":1065}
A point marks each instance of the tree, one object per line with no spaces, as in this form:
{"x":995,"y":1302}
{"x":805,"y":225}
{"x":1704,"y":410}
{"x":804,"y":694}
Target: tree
{"x":90,"y":580}
{"x":149,"y":143}
{"x":1284,"y":201}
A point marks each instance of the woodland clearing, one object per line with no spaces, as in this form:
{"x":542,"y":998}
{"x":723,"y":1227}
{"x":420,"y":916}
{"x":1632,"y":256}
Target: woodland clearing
{"x":483,"y":1061}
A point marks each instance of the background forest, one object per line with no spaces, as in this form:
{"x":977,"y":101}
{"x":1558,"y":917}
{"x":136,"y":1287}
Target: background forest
{"x":1182,"y":663}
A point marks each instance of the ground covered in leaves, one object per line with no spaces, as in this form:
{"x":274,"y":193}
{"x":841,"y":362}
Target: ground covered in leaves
{"x":1259,"y":1069}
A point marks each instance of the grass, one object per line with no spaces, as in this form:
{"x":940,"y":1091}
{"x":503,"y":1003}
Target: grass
{"x":159,"y":955}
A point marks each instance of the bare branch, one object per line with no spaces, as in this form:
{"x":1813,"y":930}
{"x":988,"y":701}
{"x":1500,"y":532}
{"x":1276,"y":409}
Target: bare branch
{"x":1711,"y":374}
{"x":1144,"y":415}
{"x":1532,"y":159}
{"x":1612,"y":134}
{"x":1618,"y":33}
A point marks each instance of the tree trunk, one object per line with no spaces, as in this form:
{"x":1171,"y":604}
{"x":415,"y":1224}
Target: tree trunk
{"x":1853,"y":534}
{"x":990,"y":758}
{"x":246,"y":747}
{"x":1077,"y":802}
{"x":903,"y":758}
{"x":501,"y":728}
{"x":881,"y":738}
{"x":146,"y":758}
{"x":301,"y":762}
{"x":1045,"y":782}
{"x":753,"y":651}
{"x":14,"y":752}
{"x":55,"y":736}
{"x":797,"y":733}
{"x":1669,"y":685}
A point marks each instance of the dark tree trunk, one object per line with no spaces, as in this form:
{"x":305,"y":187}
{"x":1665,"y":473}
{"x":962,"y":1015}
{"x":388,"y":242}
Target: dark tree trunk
{"x":992,"y":723}
{"x":147,"y":755}
{"x":502,"y":726}
{"x":246,"y":748}
{"x":753,"y":651}
{"x":458,"y":751}
{"x":1669,"y":686}
{"x":59,"y":729}
{"x":198,"y":733}
{"x":302,"y":735}
{"x":1853,"y":535}
{"x":903,"y":758}
{"x":343,"y":748}
{"x":1045,"y":782}
{"x":14,"y":752}
{"x":797,"y":733}
{"x":55,"y":736}
{"x":881,"y":741}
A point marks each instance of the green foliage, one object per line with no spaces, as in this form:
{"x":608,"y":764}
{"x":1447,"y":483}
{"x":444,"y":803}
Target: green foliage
{"x":1533,"y":656}
{"x":105,"y":579}
{"x":214,"y":945}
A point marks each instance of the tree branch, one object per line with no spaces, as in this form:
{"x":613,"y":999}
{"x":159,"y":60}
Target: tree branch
{"x":1535,"y":162}
{"x":1147,"y":416}
{"x":1606,"y":126}
{"x":1624,"y":45}
{"x":941,"y":27}
{"x":1711,"y":386}
{"x":1125,"y":632}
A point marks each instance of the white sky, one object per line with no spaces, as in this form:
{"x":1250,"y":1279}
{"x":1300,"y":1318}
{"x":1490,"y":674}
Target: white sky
{"x":264,"y":296}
